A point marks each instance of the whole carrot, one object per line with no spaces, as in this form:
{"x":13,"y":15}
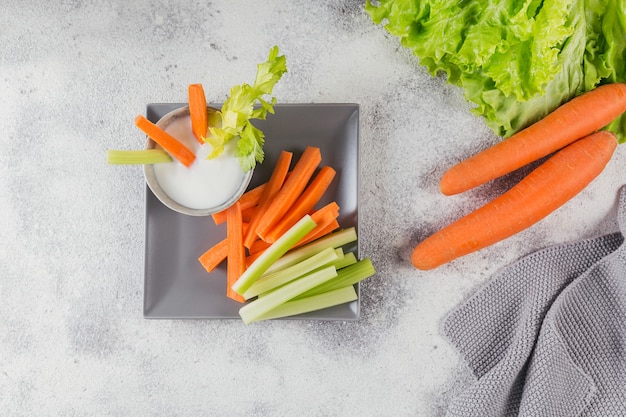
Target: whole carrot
{"x":573,"y":120}
{"x":541,"y":192}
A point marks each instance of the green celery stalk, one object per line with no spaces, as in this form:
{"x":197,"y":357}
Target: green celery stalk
{"x":252,"y":311}
{"x":347,"y":260}
{"x":313,"y":303}
{"x":278,"y":278}
{"x":349,"y":275}
{"x":272,"y":253}
{"x":334,"y":240}
{"x":145,"y":156}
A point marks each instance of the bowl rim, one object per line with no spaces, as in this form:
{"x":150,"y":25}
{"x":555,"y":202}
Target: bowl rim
{"x":161,"y":195}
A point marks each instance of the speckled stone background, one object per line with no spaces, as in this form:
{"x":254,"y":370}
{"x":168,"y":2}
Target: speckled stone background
{"x":73,"y":341}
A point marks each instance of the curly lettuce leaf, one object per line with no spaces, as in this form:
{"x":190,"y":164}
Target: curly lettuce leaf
{"x":246,"y":102}
{"x":516,"y":60}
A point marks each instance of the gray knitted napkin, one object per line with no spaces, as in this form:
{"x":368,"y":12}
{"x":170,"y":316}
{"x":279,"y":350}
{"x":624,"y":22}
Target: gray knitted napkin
{"x":546,"y":336}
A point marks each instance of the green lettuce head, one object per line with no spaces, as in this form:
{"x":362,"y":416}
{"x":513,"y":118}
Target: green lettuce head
{"x":516,"y":61}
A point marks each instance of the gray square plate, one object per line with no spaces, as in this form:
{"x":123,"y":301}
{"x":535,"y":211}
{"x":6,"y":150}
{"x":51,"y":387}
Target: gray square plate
{"x":176,"y":285}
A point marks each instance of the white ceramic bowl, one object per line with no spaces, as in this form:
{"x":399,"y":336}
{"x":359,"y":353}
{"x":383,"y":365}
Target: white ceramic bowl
{"x":153,"y":183}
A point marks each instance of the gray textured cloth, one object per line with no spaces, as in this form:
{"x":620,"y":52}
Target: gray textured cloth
{"x":546,"y":336}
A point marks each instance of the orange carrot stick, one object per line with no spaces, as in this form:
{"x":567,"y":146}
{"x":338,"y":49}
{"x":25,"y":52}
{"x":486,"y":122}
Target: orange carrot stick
{"x":217,"y":253}
{"x":236,"y":252}
{"x":326,"y":223}
{"x":214,"y":256}
{"x":252,"y":257}
{"x":249,"y":199}
{"x":325,"y":217}
{"x":330,"y":210}
{"x":573,"y":120}
{"x":291,"y":190}
{"x":198,"y":111}
{"x":304,"y":204}
{"x":320,"y":231}
{"x":167,"y":141}
{"x":247,"y":214}
{"x":274,"y":185}
{"x":259,"y":246}
{"x":544,"y":190}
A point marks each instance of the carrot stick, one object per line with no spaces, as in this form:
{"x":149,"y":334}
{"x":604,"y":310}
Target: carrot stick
{"x":198,"y":111}
{"x":320,"y":231}
{"x":273,"y":187}
{"x":236,"y":252}
{"x":167,"y":141}
{"x":249,"y":199}
{"x":573,"y":120}
{"x":330,"y":224}
{"x":217,"y":253}
{"x":291,"y":190}
{"x":325,"y":217}
{"x":304,"y":204}
{"x":247,"y":214}
{"x":252,"y":257}
{"x":214,"y":256}
{"x":259,"y":246}
{"x":329,"y":210}
{"x":544,"y":190}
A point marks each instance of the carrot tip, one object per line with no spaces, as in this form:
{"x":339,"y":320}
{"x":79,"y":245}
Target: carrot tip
{"x":421,"y":261}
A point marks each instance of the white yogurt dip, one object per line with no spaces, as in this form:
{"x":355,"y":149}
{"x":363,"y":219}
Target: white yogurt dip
{"x":206,"y":183}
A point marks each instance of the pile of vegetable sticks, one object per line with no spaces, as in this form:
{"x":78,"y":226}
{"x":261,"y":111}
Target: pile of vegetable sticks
{"x":279,"y":245}
{"x":581,"y":154}
{"x":280,"y":248}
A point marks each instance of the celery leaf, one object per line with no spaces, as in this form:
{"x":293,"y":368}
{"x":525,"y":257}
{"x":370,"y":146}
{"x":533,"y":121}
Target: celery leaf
{"x":246,"y":102}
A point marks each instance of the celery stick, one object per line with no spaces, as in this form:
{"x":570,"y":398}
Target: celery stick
{"x":333,"y":240}
{"x":347,"y":260}
{"x":278,"y":278}
{"x":313,"y":303}
{"x":272,"y":253}
{"x":260,"y":306}
{"x":145,"y":156}
{"x":349,"y":275}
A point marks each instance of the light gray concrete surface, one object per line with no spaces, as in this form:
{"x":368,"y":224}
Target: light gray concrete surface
{"x":73,"y":341}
